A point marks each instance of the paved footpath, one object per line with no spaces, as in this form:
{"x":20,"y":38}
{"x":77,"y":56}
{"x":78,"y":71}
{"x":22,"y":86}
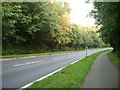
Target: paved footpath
{"x":103,"y":74}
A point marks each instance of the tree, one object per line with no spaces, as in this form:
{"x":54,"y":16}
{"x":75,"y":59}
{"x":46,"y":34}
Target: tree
{"x":35,"y":24}
{"x":38,"y":27}
{"x":85,"y":36}
{"x":106,"y":15}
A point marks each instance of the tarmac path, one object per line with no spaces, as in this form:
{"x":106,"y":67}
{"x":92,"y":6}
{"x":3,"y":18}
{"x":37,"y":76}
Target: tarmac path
{"x":103,"y":74}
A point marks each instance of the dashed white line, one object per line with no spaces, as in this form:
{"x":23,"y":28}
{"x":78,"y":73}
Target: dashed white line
{"x":26,"y":63}
{"x":28,"y":85}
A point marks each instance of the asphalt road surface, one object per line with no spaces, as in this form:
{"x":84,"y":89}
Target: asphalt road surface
{"x":19,"y":72}
{"x":103,"y":74}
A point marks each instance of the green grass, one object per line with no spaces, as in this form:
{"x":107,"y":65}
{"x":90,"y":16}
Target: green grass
{"x":35,"y":54}
{"x":114,"y":59}
{"x":72,"y":76}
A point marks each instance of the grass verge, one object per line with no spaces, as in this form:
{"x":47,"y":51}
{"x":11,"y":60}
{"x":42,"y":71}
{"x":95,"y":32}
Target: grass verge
{"x":72,"y":76}
{"x":35,"y":54}
{"x":114,"y":59}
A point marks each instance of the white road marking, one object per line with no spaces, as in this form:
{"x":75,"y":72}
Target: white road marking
{"x":26,"y":63}
{"x":28,"y":85}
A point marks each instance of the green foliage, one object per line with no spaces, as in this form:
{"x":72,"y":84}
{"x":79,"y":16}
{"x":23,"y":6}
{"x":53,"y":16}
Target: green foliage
{"x":114,"y":59}
{"x":85,"y":36}
{"x":106,"y":15}
{"x":42,"y":26}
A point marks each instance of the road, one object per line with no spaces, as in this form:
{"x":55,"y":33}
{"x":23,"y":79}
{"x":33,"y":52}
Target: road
{"x":103,"y":74}
{"x":19,"y":72}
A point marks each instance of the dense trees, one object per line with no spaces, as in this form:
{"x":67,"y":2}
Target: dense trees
{"x":82,"y":36}
{"x":38,"y":27}
{"x":106,"y":15}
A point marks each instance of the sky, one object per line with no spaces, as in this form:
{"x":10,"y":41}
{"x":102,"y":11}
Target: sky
{"x":79,"y":12}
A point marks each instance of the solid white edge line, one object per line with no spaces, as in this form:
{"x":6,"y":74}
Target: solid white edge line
{"x":41,"y":78}
{"x":28,"y":85}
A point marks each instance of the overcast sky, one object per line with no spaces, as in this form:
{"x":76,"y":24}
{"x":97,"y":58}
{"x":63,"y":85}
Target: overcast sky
{"x":79,"y":12}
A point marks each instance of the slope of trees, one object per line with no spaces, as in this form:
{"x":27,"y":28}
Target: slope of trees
{"x":106,"y":15}
{"x":40,"y":27}
{"x":85,"y":36}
